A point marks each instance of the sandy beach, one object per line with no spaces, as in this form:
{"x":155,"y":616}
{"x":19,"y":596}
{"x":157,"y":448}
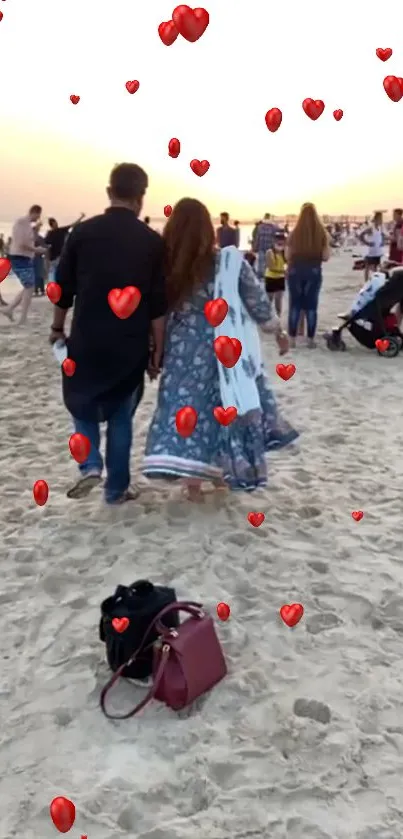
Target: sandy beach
{"x":251,"y":759}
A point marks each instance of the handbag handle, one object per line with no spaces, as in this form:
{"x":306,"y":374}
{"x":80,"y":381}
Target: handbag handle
{"x":193,"y":609}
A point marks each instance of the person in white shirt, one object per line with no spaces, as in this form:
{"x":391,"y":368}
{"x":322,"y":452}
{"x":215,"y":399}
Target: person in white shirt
{"x":373,"y":237}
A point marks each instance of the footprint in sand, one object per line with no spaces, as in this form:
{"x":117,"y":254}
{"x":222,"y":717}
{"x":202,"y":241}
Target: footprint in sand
{"x":321,"y":622}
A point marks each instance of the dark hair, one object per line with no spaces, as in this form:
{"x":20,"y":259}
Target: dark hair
{"x":224,"y":216}
{"x":127,"y":182}
{"x":398,"y":210}
{"x":35,"y":208}
{"x":236,"y":223}
{"x":189,"y":249}
{"x":52,"y":221}
{"x":146,"y":219}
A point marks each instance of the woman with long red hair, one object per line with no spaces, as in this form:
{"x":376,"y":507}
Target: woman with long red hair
{"x":231,"y":455}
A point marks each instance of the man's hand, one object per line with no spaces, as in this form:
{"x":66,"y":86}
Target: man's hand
{"x":56,"y":335}
{"x":154,"y":365}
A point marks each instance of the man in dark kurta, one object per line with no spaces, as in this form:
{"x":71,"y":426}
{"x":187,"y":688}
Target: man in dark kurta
{"x":109,"y":251}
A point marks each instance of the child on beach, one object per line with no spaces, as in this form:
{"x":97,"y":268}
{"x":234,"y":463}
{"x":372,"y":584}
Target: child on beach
{"x":275,"y":271}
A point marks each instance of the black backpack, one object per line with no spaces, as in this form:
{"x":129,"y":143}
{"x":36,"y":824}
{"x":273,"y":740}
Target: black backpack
{"x":139,"y":604}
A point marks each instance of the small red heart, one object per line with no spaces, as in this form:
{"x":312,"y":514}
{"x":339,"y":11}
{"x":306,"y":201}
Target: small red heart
{"x":54,"y":292}
{"x":199,"y":167}
{"x":256,"y":519}
{"x":40,"y":493}
{"x":285,"y":371}
{"x":168,"y":33}
{"x":167,"y":210}
{"x":124,"y":301}
{"x":74,"y":99}
{"x":313,"y":108}
{"x":227,"y":350}
{"x":292,"y":614}
{"x":80,"y":447}
{"x":384,"y":54}
{"x":216,"y":311}
{"x":338,"y":114}
{"x":225,"y":415}
{"x":190,"y":23}
{"x":382,"y":344}
{"x":1,"y":15}
{"x":223,"y":611}
{"x":132,"y":87}
{"x":357,"y":515}
{"x":120,"y":624}
{"x":174,"y":147}
{"x":5,"y":268}
{"x":273,"y":119}
{"x":69,"y":367}
{"x":186,"y":421}
{"x":393,"y":86}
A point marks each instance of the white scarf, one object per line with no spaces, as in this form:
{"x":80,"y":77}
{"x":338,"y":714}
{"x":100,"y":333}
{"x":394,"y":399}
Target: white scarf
{"x":237,"y":384}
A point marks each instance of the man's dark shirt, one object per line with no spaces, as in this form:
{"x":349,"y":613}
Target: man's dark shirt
{"x":226,"y":236}
{"x":113,"y":250}
{"x":55,"y":240}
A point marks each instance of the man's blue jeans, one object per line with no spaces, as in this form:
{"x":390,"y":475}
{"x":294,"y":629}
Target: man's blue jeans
{"x":118,"y":446}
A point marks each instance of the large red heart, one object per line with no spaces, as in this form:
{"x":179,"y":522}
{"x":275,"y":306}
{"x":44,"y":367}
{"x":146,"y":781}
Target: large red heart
{"x":273,"y":119}
{"x":62,"y":813}
{"x":313,"y":108}
{"x":216,"y":310}
{"x":120,"y":624}
{"x":132,"y":87}
{"x":124,"y":301}
{"x":80,"y":447}
{"x":225,"y":415}
{"x":186,"y":421}
{"x":384,"y":54}
{"x":227,"y":350}
{"x":54,"y":292}
{"x":191,"y":23}
{"x":168,"y":33}
{"x":357,"y":515}
{"x":199,"y":167}
{"x":5,"y":268}
{"x":393,"y":86}
{"x":256,"y":519}
{"x":285,"y":371}
{"x":382,"y":344}
{"x":174,"y":147}
{"x":292,"y":614}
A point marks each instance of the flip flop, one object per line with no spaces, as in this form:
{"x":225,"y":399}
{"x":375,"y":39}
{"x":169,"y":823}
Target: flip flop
{"x":130,"y":494}
{"x":84,"y":486}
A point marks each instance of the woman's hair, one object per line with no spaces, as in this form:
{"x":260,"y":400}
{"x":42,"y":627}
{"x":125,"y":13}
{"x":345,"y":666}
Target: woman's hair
{"x":189,"y":249}
{"x":309,"y":238}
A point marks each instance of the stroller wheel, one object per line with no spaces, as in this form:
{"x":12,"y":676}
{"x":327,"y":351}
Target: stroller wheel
{"x":393,"y":349}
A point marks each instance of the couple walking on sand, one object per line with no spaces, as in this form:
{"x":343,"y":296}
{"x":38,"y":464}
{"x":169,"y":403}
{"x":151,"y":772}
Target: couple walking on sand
{"x":176,"y":275}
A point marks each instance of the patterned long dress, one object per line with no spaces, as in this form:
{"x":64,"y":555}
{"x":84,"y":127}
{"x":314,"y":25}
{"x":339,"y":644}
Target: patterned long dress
{"x":190,"y":377}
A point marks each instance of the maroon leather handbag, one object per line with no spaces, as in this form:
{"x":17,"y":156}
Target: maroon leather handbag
{"x":187,"y":661}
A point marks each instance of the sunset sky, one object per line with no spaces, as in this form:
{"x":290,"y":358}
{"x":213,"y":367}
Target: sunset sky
{"x":213,"y":95}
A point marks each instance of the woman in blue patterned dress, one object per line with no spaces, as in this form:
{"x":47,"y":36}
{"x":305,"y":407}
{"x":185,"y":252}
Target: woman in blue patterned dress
{"x":192,"y":375}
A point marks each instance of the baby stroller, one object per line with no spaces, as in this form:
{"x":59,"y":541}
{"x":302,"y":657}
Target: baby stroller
{"x":374,"y":321}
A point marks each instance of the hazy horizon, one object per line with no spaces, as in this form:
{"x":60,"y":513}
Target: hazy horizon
{"x":213,"y":95}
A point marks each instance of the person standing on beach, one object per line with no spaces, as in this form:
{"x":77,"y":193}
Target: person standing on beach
{"x":396,"y":239}
{"x":111,"y":354}
{"x":226,"y":235}
{"x":262,"y":242}
{"x":238,"y":234}
{"x":55,"y":239}
{"x":373,"y":237}
{"x":41,"y":262}
{"x":21,"y":253}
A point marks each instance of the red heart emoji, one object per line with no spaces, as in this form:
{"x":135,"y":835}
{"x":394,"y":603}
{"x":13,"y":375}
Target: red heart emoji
{"x":292,"y":614}
{"x":167,"y":210}
{"x":225,"y":415}
{"x":191,"y":23}
{"x":393,"y":87}
{"x":313,"y":108}
{"x":227,"y":350}
{"x":132,"y":87}
{"x":285,"y":371}
{"x":216,"y":311}
{"x":273,"y":119}
{"x":256,"y":519}
{"x":199,"y":167}
{"x":41,"y":493}
{"x":357,"y":515}
{"x":62,"y":813}
{"x":80,"y":447}
{"x":69,"y":367}
{"x":338,"y":114}
{"x":168,"y":33}
{"x":74,"y":99}
{"x":5,"y":268}
{"x":120,"y":624}
{"x":174,"y":147}
{"x":186,"y":421}
{"x":54,"y":292}
{"x":384,"y":54}
{"x":382,"y":344}
{"x":124,"y":301}
{"x":1,"y":15}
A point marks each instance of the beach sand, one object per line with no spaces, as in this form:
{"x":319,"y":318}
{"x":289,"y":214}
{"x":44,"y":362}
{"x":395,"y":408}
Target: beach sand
{"x":243,"y":763}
